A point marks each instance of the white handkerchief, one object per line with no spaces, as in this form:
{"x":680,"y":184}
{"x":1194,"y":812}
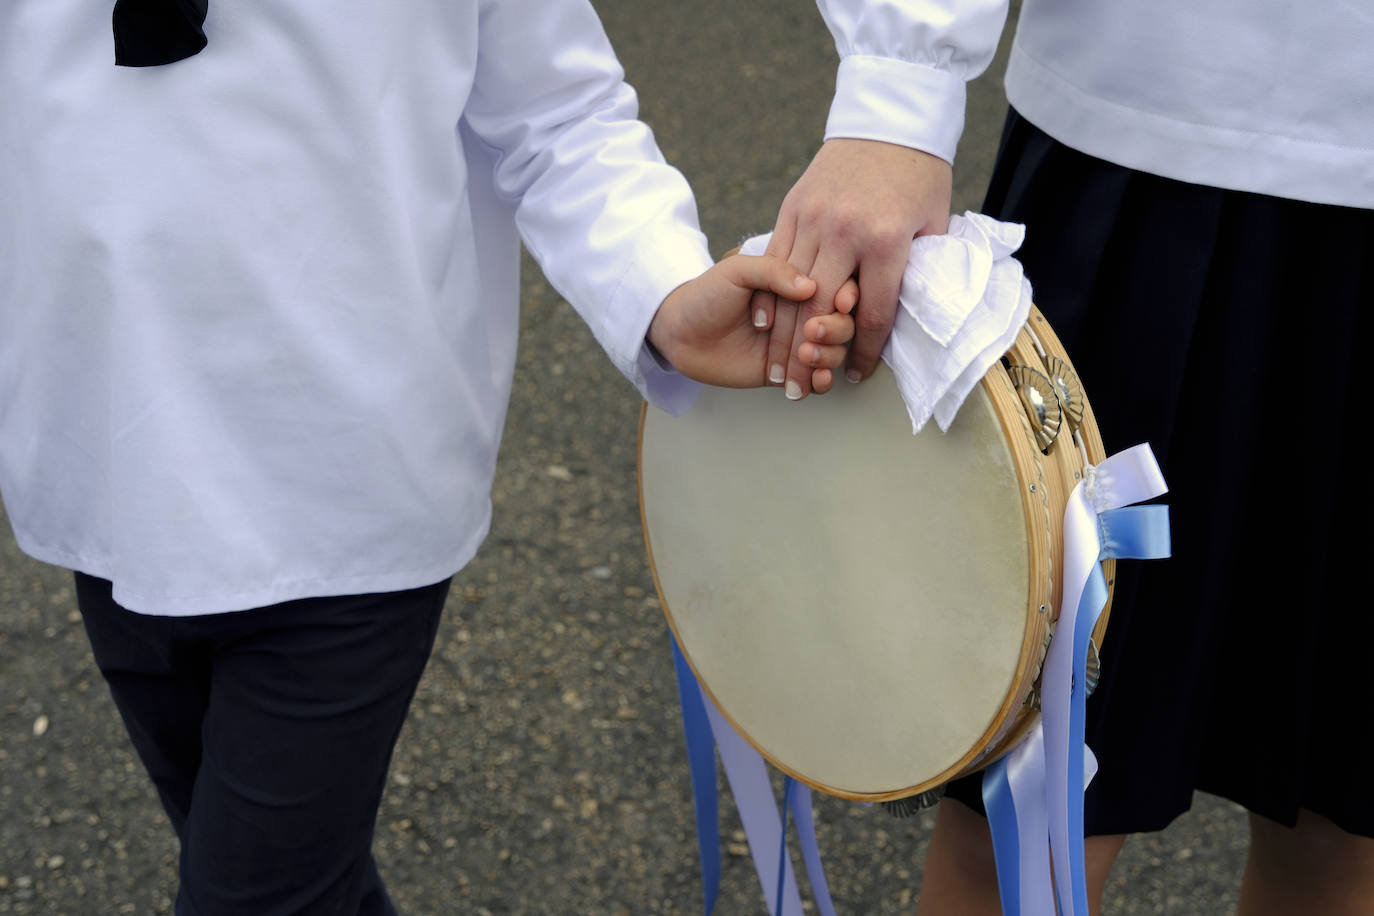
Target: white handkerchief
{"x":962,"y":301}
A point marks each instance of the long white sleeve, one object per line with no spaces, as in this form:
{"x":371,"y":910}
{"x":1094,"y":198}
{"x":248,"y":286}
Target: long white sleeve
{"x":613,"y":226}
{"x":903,"y":66}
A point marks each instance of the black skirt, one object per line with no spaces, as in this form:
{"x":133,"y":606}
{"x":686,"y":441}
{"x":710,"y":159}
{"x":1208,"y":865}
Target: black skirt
{"x":1223,"y":328}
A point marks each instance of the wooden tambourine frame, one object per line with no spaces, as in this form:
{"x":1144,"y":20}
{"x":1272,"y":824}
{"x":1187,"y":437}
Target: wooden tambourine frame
{"x":1046,"y":476}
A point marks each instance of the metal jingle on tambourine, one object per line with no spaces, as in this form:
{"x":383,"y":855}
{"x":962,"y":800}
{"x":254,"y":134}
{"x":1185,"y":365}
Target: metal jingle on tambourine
{"x":1070,"y":390}
{"x":914,"y":804}
{"x":1040,"y":397}
{"x":1093,"y":673}
{"x":1033,"y":697}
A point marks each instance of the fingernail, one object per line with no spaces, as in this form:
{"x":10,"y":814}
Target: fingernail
{"x":760,"y":319}
{"x":854,"y":376}
{"x":820,"y":333}
{"x":793,"y":391}
{"x":775,"y":372}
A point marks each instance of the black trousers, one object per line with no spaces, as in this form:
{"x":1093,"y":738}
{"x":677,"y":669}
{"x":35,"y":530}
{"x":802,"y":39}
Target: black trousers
{"x":268,"y":734}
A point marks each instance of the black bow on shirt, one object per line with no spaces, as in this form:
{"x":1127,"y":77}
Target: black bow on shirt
{"x":149,"y":33}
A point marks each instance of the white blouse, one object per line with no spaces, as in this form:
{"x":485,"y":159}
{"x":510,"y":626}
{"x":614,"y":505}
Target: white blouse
{"x":258,"y":308}
{"x":1271,"y":96}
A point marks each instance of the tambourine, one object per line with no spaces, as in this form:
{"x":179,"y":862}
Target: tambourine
{"x":871,"y":609}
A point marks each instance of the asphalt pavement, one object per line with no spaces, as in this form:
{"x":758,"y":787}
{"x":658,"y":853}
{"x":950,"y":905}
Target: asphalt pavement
{"x":542,"y":769}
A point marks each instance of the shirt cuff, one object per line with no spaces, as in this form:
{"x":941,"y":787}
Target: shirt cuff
{"x":896,"y":101}
{"x":664,"y":259}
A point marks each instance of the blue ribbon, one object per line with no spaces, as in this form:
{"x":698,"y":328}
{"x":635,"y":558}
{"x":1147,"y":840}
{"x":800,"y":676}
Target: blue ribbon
{"x":1089,"y":607}
{"x":1006,"y":847}
{"x":701,"y":760}
{"x":744,"y":764}
{"x":787,"y":784}
{"x":811,"y":853}
{"x":1135,"y":533}
{"x":1131,"y":532}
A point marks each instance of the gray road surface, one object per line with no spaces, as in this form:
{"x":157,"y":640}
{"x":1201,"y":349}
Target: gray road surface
{"x":541,"y":770}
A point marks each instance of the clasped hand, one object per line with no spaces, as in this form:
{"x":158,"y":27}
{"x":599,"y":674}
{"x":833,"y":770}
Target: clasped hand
{"x":706,"y":330}
{"x":830,"y":275}
{"x":851,"y":216}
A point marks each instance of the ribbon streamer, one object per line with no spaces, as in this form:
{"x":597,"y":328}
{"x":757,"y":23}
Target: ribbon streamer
{"x":758,"y":811}
{"x":701,"y":762}
{"x":787,"y":784}
{"x":1028,"y":793}
{"x":810,"y":850}
{"x":707,"y":731}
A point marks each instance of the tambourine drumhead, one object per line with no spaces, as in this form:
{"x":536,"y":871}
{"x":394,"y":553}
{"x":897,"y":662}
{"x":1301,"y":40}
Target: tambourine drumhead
{"x":868,"y":607}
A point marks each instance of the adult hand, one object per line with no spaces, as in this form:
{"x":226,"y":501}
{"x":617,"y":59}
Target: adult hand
{"x":853,"y":213}
{"x":705,"y":329}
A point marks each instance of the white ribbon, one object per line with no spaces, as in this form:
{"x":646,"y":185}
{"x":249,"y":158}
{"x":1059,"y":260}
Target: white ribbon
{"x":1038,"y":769}
{"x":758,"y":812}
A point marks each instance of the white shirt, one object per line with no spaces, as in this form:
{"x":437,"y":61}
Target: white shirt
{"x":258,"y":308}
{"x":1271,"y":96}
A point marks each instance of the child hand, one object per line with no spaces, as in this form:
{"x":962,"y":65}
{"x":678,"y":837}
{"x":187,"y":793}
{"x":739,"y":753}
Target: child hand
{"x":705,"y":331}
